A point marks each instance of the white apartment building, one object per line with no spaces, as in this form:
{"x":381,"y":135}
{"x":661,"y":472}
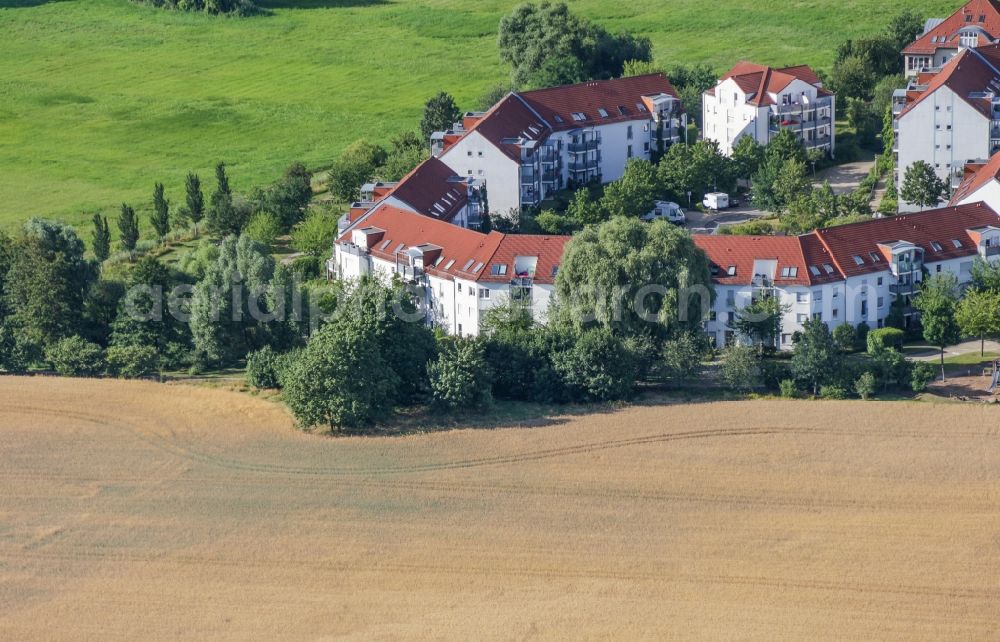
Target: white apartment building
{"x":949,"y":117}
{"x":758,"y":101}
{"x":431,"y":189}
{"x":975,"y":24}
{"x":849,"y":273}
{"x":534,"y":143}
{"x":457,"y":274}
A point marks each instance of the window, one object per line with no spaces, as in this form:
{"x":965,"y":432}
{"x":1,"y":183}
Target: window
{"x":459,"y":329}
{"x":628,"y":133}
{"x":629,"y":152}
{"x":936,"y":246}
{"x":730,"y":298}
{"x":881,"y":302}
{"x":731,"y":270}
{"x":828,"y":268}
{"x":817,"y":316}
{"x":814,"y":270}
{"x":449,"y":264}
{"x":817,"y":296}
{"x":480,"y":154}
{"x":859,"y":260}
{"x":713,"y":315}
{"x":478,"y":267}
{"x":499,"y":269}
{"x":836,"y":312}
{"x":555,"y":271}
{"x":484,"y":293}
{"x":472,"y":292}
{"x":802,"y":318}
{"x":459,"y":287}
{"x":789,"y":272}
{"x":875,"y":257}
{"x":645,"y":147}
{"x":468,"y":264}
{"x":785,"y":338}
{"x":880,"y":280}
{"x":384,"y":245}
{"x":603,"y":112}
{"x":836,"y":293}
{"x":801,"y":297}
{"x":730,"y":318}
{"x":956,"y":243}
{"x":469,"y":153}
{"x":937,"y":268}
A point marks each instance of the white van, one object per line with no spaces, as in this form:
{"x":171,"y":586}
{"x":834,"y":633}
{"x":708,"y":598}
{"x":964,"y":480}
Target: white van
{"x":716,"y":201}
{"x":666,"y":210}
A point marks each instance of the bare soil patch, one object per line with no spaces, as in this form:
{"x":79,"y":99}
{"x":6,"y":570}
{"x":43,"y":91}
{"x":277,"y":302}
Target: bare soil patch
{"x":144,"y":511}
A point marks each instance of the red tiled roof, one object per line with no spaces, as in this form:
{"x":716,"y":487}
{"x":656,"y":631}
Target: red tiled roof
{"x":982,"y":174}
{"x":431,"y":190}
{"x":462,"y":250}
{"x":507,"y":120}
{"x":740,"y":252}
{"x":844,"y":242}
{"x":548,"y":249}
{"x":970,"y":72}
{"x":829,"y":254}
{"x":556,"y":104}
{"x":984,"y":14}
{"x":760,"y":80}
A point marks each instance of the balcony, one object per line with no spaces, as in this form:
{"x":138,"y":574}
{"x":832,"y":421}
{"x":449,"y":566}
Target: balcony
{"x":986,"y":252}
{"x":586,"y":146}
{"x":550,"y":175}
{"x":796,"y":108}
{"x":587,"y":164}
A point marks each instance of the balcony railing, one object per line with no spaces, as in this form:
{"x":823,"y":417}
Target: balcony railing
{"x":586,"y":146}
{"x":993,"y":250}
{"x":795,"y":108}
{"x":584,"y":165}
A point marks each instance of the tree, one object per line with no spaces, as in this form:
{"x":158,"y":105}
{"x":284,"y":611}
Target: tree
{"x":287,"y":198}
{"x":815,"y":359}
{"x":978,"y":315}
{"x":921,"y":185}
{"x":904,"y":29}
{"x":985,"y":275}
{"x":884,"y":339}
{"x":440,"y":112}
{"x":101,"y":238}
{"x":460,"y":377}
{"x":785,"y":146}
{"x":741,"y":367}
{"x":865,"y":385}
{"x":492,"y":96}
{"x":160,"y":218}
{"x":865,"y":118}
{"x":845,"y":337}
{"x":315,"y":234}
{"x":747,"y":156}
{"x":224,"y":216}
{"x":634,"y":278}
{"x":682,"y":355}
{"x":144,"y":316}
{"x":583,"y":209}
{"x":195,"y":199}
{"x":407,"y":152}
{"x":634,"y":194}
{"x":556,"y":72}
{"x":791,"y":182}
{"x":697,"y":168}
{"x":264,"y":227}
{"x":532,"y":36}
{"x":128,"y":228}
{"x":595,"y":365}
{"x":853,"y":77}
{"x":132,"y":362}
{"x":641,"y":68}
{"x":760,"y":321}
{"x":937,"y":303}
{"x":355,"y":166}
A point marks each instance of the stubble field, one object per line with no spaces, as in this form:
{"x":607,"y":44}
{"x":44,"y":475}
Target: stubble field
{"x":146,"y":511}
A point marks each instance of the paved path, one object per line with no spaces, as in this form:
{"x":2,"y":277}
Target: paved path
{"x":966,"y":347}
{"x":845,"y":178}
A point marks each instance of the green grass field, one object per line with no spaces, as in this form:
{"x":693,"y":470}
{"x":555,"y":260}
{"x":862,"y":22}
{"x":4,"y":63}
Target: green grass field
{"x":100,"y":98}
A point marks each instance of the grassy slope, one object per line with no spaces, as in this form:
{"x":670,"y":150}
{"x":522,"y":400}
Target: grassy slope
{"x":100,"y":98}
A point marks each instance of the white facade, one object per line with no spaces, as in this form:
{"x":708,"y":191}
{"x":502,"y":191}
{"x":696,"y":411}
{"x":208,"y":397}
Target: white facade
{"x":729,"y":113}
{"x":473,"y":155}
{"x":946,"y":132}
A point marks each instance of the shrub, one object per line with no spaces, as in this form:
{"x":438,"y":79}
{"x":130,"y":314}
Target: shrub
{"x":787,"y":388}
{"x":596,"y":367}
{"x":921,"y":374}
{"x":460,"y":378}
{"x":884,"y":338}
{"x":865,"y":385}
{"x":262,"y":370}
{"x":832,"y":392}
{"x":861,"y":336}
{"x":75,"y":357}
{"x":772,"y":373}
{"x":132,"y":361}
{"x":308,"y":267}
{"x":741,"y":367}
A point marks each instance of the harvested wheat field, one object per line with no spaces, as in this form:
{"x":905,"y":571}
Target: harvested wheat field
{"x":145,"y":511}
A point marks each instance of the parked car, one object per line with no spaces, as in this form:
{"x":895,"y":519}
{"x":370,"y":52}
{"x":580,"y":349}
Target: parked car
{"x":716,"y":201}
{"x":666,"y":210}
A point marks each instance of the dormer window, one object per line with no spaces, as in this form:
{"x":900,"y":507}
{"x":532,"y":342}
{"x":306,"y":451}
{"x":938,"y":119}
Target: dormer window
{"x":828,"y":268}
{"x":875,"y":257}
{"x":814,"y":270}
{"x":956,"y":243}
{"x":936,"y":246}
{"x":859,"y":260}
{"x":731,"y":270}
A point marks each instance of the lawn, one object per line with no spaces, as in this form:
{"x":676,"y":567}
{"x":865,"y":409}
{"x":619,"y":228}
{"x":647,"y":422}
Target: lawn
{"x":100,"y":98}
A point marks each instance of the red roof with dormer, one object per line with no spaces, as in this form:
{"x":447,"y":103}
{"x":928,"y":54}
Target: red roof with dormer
{"x":982,"y":14}
{"x":971,"y":75}
{"x":759,"y":81}
{"x":459,"y":252}
{"x":977,"y":175}
{"x":433,"y":189}
{"x":732,"y":258}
